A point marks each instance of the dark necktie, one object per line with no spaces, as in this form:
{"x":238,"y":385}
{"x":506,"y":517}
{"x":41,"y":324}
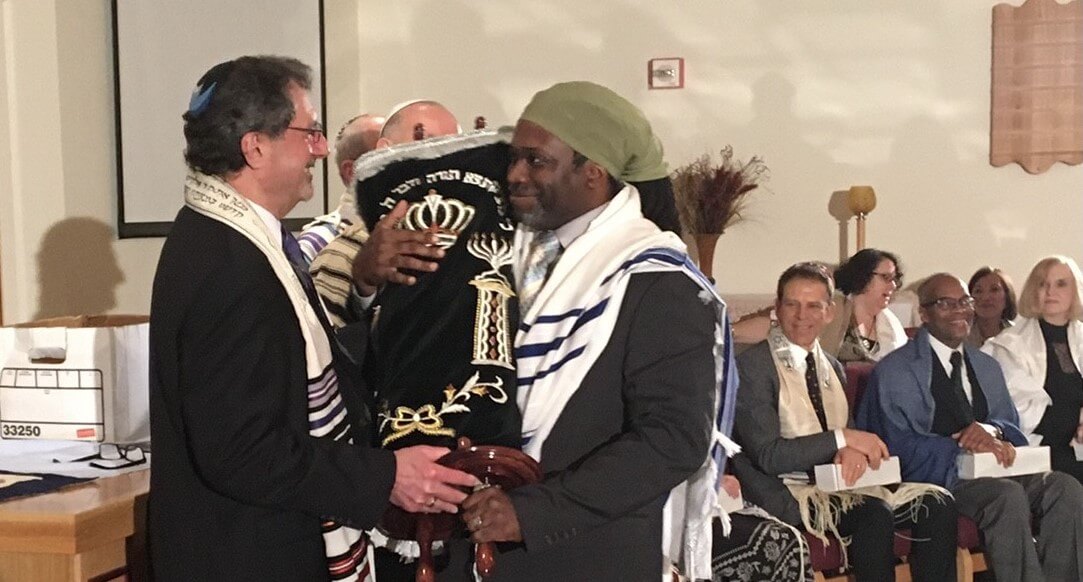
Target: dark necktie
{"x":812,"y":381}
{"x":957,"y":371}
{"x":296,"y":257}
{"x":300,"y":267}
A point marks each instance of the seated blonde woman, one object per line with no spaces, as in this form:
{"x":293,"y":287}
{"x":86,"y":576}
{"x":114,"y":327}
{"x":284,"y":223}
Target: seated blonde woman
{"x":1042,"y":356}
{"x":994,"y":304}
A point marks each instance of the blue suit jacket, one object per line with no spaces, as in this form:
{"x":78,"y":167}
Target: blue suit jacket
{"x":898,"y":406}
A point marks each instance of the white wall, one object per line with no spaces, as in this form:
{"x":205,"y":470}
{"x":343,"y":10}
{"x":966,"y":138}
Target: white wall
{"x":57,"y":151}
{"x":830,"y":92}
{"x":57,"y":155}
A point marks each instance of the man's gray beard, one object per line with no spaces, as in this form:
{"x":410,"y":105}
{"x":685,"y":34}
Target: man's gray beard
{"x":530,"y":219}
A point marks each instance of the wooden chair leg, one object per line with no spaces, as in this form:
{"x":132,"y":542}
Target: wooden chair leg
{"x":964,"y":565}
{"x":980,"y":564}
{"x":902,"y":572}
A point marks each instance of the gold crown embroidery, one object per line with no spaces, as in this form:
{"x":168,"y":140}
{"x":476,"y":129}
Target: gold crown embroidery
{"x":446,"y":217}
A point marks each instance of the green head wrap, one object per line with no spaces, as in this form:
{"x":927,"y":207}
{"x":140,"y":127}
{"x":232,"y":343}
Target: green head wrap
{"x":601,"y":125}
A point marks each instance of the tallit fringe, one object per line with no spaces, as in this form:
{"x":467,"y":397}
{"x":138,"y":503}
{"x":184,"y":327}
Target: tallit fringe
{"x":408,"y":550}
{"x":827,"y":514}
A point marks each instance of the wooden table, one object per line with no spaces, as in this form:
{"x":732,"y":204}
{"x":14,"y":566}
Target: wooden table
{"x":80,"y":533}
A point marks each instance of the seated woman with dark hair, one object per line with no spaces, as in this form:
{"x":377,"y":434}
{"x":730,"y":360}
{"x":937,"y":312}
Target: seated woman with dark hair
{"x":863,"y":330}
{"x":1042,"y":356}
{"x":994,"y":304}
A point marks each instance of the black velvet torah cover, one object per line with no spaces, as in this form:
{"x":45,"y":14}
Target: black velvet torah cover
{"x":439,"y":360}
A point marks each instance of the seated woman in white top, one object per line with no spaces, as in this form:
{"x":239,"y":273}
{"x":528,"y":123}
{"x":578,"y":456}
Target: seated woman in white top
{"x":1042,"y":356}
{"x":863,"y":329}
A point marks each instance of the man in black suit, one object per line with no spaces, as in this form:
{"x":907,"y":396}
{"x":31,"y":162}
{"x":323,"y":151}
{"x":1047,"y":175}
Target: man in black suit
{"x":617,"y":396}
{"x":260,"y":466}
{"x":792,"y":414}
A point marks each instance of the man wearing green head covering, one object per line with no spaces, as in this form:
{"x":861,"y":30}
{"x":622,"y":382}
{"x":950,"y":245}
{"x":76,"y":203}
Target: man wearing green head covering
{"x":618,"y":356}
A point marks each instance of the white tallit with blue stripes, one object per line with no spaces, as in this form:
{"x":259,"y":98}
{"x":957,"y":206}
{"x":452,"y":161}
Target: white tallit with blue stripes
{"x":568,"y":327}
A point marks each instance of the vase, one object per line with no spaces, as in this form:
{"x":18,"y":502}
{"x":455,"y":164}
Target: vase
{"x":705,"y":245}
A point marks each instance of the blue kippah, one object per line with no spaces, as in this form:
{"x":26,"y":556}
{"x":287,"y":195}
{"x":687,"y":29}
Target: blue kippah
{"x":201,"y":98}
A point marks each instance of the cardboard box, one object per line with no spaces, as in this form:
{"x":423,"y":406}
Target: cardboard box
{"x":730,"y":504}
{"x":829,"y":477}
{"x":76,"y":378}
{"x":1028,"y":460}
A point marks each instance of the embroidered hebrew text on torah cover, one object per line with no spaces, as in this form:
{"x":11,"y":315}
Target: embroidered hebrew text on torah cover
{"x":440,"y":359}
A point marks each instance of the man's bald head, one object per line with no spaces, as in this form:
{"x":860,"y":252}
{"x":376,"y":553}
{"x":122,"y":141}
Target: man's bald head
{"x":933,"y":287}
{"x":434,"y":118}
{"x":947,"y":310}
{"x":357,"y":137}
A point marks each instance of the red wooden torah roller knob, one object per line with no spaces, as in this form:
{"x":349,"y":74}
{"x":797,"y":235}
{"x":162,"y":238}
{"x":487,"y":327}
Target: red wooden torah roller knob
{"x":484,"y":560}
{"x":494,"y":466}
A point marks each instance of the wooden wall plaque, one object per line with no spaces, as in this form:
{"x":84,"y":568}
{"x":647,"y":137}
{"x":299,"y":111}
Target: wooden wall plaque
{"x":1037,"y":85}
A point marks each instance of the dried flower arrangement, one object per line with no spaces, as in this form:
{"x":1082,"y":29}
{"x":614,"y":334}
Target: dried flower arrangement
{"x":711,"y":199}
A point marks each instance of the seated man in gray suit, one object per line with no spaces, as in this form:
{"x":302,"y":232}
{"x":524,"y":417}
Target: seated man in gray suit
{"x":936,"y":397}
{"x":792,"y":414}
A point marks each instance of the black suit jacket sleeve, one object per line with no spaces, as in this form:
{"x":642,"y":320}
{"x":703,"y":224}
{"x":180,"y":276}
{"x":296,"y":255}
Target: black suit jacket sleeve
{"x":666,"y":376}
{"x":238,"y":383}
{"x":757,"y":424}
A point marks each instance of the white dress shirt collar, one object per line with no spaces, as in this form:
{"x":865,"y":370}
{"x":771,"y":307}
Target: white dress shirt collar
{"x":799,"y":354}
{"x":575,"y":227}
{"x":273,"y":224}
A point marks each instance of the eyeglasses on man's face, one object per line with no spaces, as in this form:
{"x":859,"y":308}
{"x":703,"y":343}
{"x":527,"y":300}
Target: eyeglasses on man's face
{"x":951,"y":303}
{"x":315,"y":134}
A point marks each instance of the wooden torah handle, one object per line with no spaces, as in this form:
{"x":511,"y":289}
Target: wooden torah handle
{"x":479,"y":122}
{"x":484,"y":559}
{"x":425,"y":571}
